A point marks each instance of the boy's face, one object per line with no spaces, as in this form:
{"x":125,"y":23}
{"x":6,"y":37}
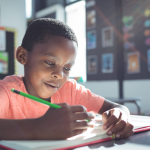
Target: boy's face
{"x":48,"y":65}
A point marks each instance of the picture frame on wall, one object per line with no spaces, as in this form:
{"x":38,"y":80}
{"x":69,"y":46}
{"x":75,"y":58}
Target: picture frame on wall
{"x":107,"y":37}
{"x":107,"y":63}
{"x":4,"y":60}
{"x":133,"y":62}
{"x":92,"y":66}
{"x":91,"y":40}
{"x":2,"y":40}
{"x":91,"y":19}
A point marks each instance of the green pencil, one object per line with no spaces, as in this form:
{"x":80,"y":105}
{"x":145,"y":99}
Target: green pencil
{"x":35,"y":98}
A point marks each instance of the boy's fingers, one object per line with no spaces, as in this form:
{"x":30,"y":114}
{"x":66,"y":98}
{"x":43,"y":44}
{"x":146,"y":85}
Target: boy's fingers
{"x":113,"y":119}
{"x":62,"y":104}
{"x":126,"y":132}
{"x":119,"y":126}
{"x":75,"y":108}
{"x":78,"y":108}
{"x":105,"y":116}
{"x":116,"y":112}
{"x":83,"y":115}
{"x":129,"y":134}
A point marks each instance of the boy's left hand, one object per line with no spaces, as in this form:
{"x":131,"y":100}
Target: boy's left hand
{"x":118,"y":123}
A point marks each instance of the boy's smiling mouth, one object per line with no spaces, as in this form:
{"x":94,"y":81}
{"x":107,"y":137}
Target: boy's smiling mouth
{"x":51,"y":86}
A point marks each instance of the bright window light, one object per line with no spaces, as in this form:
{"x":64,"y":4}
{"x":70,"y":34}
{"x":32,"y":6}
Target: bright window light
{"x":75,"y":18}
{"x":28,"y":8}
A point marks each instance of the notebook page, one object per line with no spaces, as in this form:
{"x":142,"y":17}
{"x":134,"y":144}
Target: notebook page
{"x":140,"y":121}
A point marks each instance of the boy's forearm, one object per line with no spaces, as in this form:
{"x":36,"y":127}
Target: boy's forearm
{"x":110,"y":105}
{"x":17,"y":129}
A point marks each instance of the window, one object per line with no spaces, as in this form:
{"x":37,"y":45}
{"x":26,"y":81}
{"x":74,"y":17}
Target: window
{"x":75,"y":18}
{"x":28,"y":8}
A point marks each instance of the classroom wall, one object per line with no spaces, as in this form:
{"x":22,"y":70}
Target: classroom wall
{"x":12,"y":15}
{"x":138,"y":88}
{"x":107,"y":89}
{"x":132,"y":89}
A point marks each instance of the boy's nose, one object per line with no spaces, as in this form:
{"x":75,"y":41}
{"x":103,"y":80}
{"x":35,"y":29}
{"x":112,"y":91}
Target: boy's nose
{"x":58,"y":74}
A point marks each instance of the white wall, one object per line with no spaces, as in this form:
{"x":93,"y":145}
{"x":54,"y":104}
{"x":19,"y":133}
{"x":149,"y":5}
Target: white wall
{"x":132,"y":89}
{"x":138,"y":88}
{"x":107,"y":89}
{"x":12,"y":15}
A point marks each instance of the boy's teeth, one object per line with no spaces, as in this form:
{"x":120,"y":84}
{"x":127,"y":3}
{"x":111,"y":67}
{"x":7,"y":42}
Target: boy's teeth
{"x":52,"y":86}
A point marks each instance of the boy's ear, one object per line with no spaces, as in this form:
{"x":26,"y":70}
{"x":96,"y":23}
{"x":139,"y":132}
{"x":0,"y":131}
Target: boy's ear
{"x":21,"y":55}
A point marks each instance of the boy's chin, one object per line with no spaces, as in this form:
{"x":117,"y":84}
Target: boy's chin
{"x":46,"y":96}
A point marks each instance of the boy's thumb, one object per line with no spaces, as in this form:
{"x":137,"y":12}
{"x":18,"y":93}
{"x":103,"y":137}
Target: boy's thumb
{"x":105,"y":116}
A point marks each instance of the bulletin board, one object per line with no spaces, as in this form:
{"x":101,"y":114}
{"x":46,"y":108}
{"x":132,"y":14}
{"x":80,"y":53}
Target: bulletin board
{"x":7,"y":49}
{"x":102,"y":40}
{"x":136,"y":33}
{"x":118,"y":39}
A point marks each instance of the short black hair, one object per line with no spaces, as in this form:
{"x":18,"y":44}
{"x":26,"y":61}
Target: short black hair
{"x":44,"y":28}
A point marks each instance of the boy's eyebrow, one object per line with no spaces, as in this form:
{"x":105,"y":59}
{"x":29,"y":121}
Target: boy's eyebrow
{"x":56,"y":58}
{"x":50,"y":55}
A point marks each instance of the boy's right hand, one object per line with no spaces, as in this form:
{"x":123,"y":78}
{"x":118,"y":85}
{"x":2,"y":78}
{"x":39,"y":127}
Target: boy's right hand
{"x":62,"y":123}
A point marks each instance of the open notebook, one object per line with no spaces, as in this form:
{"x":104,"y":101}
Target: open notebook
{"x":91,"y":136}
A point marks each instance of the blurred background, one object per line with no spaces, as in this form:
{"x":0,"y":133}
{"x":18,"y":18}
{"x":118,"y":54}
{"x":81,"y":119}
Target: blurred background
{"x":114,"y":44}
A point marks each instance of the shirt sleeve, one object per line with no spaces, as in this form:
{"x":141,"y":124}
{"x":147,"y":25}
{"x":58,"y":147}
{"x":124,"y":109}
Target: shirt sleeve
{"x":4,"y":103}
{"x":82,"y":96}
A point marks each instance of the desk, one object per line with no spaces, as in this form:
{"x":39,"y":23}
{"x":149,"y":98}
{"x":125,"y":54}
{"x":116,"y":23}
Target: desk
{"x":136,"y":101}
{"x":138,"y":141}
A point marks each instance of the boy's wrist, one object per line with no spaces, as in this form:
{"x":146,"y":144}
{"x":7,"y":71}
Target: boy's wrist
{"x":35,"y":135}
{"x":29,"y":127}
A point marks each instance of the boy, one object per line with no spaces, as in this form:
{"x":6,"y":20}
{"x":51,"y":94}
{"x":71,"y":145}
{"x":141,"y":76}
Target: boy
{"x":48,"y":52}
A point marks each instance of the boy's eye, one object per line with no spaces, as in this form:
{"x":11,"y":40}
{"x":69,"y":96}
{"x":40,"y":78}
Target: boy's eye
{"x":50,"y":63}
{"x":67,"y":69}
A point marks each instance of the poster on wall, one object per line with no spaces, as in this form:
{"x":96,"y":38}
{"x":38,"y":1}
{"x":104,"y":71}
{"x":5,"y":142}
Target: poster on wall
{"x":107,"y":63}
{"x":91,"y":39}
{"x":2,"y":40}
{"x":92,"y":64}
{"x":91,"y":19}
{"x":4,"y":62}
{"x":148,"y":59}
{"x":133,"y":62}
{"x":107,"y":37}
